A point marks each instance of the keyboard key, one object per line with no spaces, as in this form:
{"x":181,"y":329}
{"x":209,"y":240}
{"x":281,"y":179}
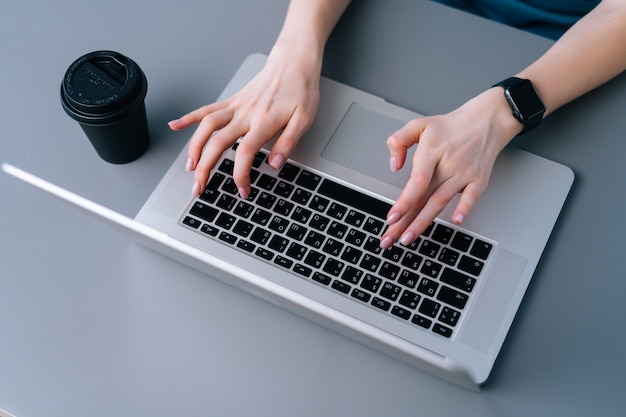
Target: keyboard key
{"x":361,"y":295}
{"x":341,"y":286}
{"x":203,"y":211}
{"x":211,"y":192}
{"x":429,"y":249}
{"x":243,"y":209}
{"x":264,"y":253}
{"x":318,"y":203}
{"x":408,"y":279}
{"x":373,"y":226}
{"x":227,"y":166}
{"x":297,"y":231}
{"x":227,"y":237}
{"x":428,"y":287}
{"x":225,"y":221}
{"x":380,"y":303}
{"x":319,"y":222}
{"x":315,"y":239}
{"x":461,"y":241}
{"x":289,"y":172}
{"x":393,"y":253}
{"x":442,"y":330}
{"x":353,"y":198}
{"x":429,"y":307}
{"x":372,"y":244}
{"x":315,"y":259}
{"x":209,"y":230}
{"x":352,"y":275}
{"x":321,"y":278}
{"x":458,"y":280}
{"x":300,"y":214}
{"x":337,"y":229}
{"x":371,"y":283}
{"x":333,"y":247}
{"x":261,"y":217}
{"x":354,"y":218}
{"x":370,"y":262}
{"x":284,"y":262}
{"x":308,"y":180}
{"x":481,"y":249}
{"x":469,"y":265}
{"x":401,"y":312}
{"x":296,"y":251}
{"x":442,"y":234}
{"x":351,"y":255}
{"x":279,"y":224}
{"x":448,"y":256}
{"x":412,"y":260}
{"x":336,"y":211}
{"x":333,"y":267}
{"x":266,"y":182}
{"x":243,"y":228}
{"x":452,"y":297}
{"x":245,"y":245}
{"x":283,"y":207}
{"x":258,"y":159}
{"x":266,"y":200}
{"x":229,"y":186}
{"x":284,"y":189}
{"x":226,"y":202}
{"x":390,"y":291}
{"x":421,"y":321}
{"x":430,"y":268}
{"x":191,"y":222}
{"x":355,"y":237}
{"x":300,"y":269}
{"x":449,"y":316}
{"x":301,"y":196}
{"x":410,"y":299}
{"x":278,"y":243}
{"x":389,"y":271}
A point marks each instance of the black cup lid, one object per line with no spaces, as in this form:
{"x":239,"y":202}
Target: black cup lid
{"x":101,"y":83}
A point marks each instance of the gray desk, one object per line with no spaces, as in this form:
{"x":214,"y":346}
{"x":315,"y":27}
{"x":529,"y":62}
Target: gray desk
{"x":94,"y":325}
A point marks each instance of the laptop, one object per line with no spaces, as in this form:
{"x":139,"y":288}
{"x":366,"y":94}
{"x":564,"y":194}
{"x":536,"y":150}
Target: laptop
{"x":307,"y":237}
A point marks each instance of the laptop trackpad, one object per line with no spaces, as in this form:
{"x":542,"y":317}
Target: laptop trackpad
{"x":360,"y":143}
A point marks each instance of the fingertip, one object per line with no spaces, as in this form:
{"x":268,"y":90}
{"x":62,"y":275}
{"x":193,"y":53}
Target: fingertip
{"x":458,"y":218}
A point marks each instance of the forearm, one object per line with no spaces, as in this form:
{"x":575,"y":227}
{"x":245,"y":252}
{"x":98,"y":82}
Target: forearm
{"x":592,"y":52}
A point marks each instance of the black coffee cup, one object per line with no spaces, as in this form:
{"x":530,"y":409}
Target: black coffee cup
{"x":104,"y":92}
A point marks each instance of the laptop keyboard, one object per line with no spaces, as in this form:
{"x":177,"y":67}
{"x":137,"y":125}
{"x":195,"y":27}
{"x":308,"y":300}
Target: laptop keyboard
{"x":325,"y":232}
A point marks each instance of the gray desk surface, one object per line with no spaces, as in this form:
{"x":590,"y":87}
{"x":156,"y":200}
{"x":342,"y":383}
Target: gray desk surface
{"x":94,"y":325}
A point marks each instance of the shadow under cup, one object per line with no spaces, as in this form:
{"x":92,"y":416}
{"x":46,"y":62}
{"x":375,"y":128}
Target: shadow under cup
{"x":104,"y":92}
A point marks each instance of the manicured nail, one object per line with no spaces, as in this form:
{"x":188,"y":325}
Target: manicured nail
{"x":458,"y":219}
{"x":393,"y":164}
{"x":277,"y":161}
{"x":189,"y":165}
{"x":393,"y":217}
{"x":173,"y":122}
{"x":387,"y":242}
{"x":243,"y":193}
{"x":195,"y":190}
{"x":407,"y":238}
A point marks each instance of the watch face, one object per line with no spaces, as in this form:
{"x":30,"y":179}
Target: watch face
{"x":526,"y":99}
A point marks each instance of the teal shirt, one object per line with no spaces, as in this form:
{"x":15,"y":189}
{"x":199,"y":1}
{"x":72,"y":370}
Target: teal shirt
{"x":549,"y":18}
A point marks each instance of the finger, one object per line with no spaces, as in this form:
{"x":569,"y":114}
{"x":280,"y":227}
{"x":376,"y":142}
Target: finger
{"x":298,"y":124}
{"x":468,"y":199}
{"x":196,"y":116}
{"x":207,"y":127}
{"x":401,"y":140}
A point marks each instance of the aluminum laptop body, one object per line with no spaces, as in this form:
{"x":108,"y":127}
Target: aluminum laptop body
{"x":347,"y":141}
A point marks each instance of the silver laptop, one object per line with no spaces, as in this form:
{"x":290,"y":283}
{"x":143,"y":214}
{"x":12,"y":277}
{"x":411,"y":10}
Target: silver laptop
{"x":307,"y":237}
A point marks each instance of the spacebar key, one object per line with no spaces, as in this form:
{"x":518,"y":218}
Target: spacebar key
{"x":354,"y":199}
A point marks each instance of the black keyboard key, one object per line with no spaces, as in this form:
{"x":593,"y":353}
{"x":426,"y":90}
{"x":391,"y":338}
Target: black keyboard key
{"x":227,"y":237}
{"x":429,"y":249}
{"x":319,"y":222}
{"x":370,"y":262}
{"x":203,"y":211}
{"x":337,"y":229}
{"x":191,"y":222}
{"x":429,"y":307}
{"x":481,"y":249}
{"x":372,"y":244}
{"x":428,"y":287}
{"x":354,"y":218}
{"x":449,"y":316}
{"x":321,"y":278}
{"x":296,"y":231}
{"x":315,"y":239}
{"x":266,"y":200}
{"x":308,"y":180}
{"x":289,"y":172}
{"x":318,"y":203}
{"x":283,"y":207}
{"x":341,"y":286}
{"x":412,"y":260}
{"x":408,"y":279}
{"x":336,"y":211}
{"x":401,"y":312}
{"x":229,"y":186}
{"x":448,"y":256}
{"x":296,"y":251}
{"x":470,"y":265}
{"x":211,"y":190}
{"x":371,"y":283}
{"x":389,"y":271}
{"x":300,"y":214}
{"x":428,"y":230}
{"x":452,"y":297}
{"x":393,"y":253}
{"x":209,"y":230}
{"x":260,"y":236}
{"x":278,"y":243}
{"x":283,"y":189}
{"x":226,"y":202}
{"x":352,"y":275}
{"x":333,"y":247}
{"x":458,"y":280}
{"x":301,"y":196}
{"x":442,"y":234}
{"x":355,"y":237}
{"x":284,"y":262}
{"x":245,"y":245}
{"x":266,"y":182}
{"x":380,"y":303}
{"x":227,"y":166}
{"x":315,"y":259}
{"x":279,"y":224}
{"x":390,"y":291}
{"x":353,"y":198}
{"x":461,"y":241}
{"x":243,"y":209}
{"x":261,"y":217}
{"x":333,"y":267}
{"x":410,"y":299}
{"x":264,"y":253}
{"x":258,"y":159}
{"x":361,"y":295}
{"x":430,"y":268}
{"x":225,"y":221}
{"x":373,"y":226}
{"x":243,"y":228}
{"x":300,"y":269}
{"x":421,"y":321}
{"x":351,"y":255}
{"x":442,"y":330}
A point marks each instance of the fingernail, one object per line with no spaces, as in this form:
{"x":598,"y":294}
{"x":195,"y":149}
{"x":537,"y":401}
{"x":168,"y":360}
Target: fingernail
{"x":171,"y":123}
{"x":387,"y":242}
{"x":393,"y":164}
{"x":243,"y":193}
{"x":393,"y":217}
{"x":458,"y":219}
{"x":195,"y":190}
{"x":407,"y":238}
{"x":277,"y":161}
{"x":189,"y":165}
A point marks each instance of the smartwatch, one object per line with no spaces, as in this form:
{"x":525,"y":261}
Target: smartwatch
{"x":524,"y":101}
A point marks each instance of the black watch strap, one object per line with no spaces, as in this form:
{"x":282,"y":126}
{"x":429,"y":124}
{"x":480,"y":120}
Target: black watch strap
{"x":527,"y":106}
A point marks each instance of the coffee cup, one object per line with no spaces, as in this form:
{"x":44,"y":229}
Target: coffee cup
{"x":104,"y":92}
